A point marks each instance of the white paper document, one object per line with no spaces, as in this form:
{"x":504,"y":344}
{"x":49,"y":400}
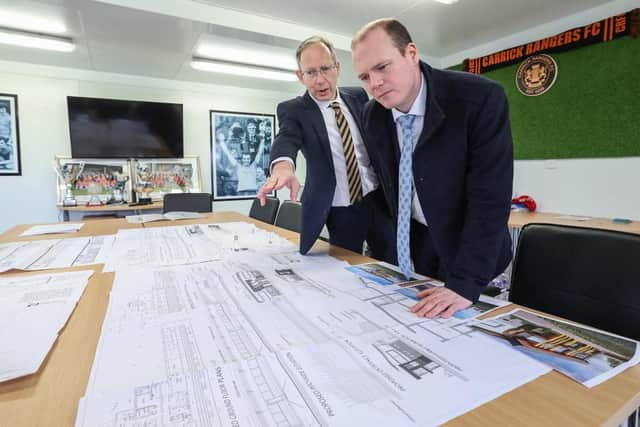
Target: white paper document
{"x":33,"y":310}
{"x":265,"y":340}
{"x":168,"y":216}
{"x":255,"y":392}
{"x":20,"y":255}
{"x":161,"y":246}
{"x":54,"y":253}
{"x":95,"y":252}
{"x":63,"y":227}
{"x":192,"y":244}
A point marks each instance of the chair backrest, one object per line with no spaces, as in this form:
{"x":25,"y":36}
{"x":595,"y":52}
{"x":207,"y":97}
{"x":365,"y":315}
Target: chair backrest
{"x":587,"y":275}
{"x":187,"y":202}
{"x":266,"y":213}
{"x":290,"y":216}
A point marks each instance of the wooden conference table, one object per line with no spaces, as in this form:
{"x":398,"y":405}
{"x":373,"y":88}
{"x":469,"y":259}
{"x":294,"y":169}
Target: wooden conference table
{"x":520,"y":219}
{"x":50,"y":397}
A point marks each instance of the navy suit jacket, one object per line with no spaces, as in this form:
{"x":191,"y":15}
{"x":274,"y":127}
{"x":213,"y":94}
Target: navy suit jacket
{"x":301,"y":127}
{"x":463,"y":174}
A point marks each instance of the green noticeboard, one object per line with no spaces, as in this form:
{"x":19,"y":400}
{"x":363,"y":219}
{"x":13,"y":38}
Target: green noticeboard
{"x":592,"y":110}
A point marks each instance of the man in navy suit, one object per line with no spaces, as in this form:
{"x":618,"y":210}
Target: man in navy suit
{"x":441,"y":144}
{"x":341,"y":188}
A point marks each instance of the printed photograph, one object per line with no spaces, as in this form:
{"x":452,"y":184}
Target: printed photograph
{"x":386,"y":275}
{"x":9,"y":135}
{"x":158,"y":177}
{"x":93,"y":181}
{"x":581,"y":353}
{"x":383,"y":274}
{"x":240,"y":153}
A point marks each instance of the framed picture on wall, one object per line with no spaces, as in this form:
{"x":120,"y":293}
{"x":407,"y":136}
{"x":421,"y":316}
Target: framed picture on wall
{"x":9,"y":135}
{"x":240,"y":153}
{"x":156,"y":177}
{"x":92,"y":181}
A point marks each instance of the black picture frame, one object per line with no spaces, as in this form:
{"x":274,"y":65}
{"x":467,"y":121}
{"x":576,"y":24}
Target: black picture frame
{"x":9,"y":135}
{"x":240,"y":153}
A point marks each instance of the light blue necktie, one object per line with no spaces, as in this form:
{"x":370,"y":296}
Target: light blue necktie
{"x":405,"y":195}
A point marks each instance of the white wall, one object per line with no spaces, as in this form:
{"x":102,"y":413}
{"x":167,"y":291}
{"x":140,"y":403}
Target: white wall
{"x":591,"y":187}
{"x":594,"y":187}
{"x":44,"y":133}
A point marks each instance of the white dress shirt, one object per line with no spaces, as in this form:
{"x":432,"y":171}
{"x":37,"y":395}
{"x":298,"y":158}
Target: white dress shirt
{"x":367,"y":175}
{"x":418,"y":109}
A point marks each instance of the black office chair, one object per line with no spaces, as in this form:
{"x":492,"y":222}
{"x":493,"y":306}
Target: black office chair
{"x":187,"y":202}
{"x":591,"y":276}
{"x":290,"y":216}
{"x":266,"y":213}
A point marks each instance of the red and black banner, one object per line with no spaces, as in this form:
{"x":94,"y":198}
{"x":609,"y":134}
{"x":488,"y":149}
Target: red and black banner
{"x":597,"y":32}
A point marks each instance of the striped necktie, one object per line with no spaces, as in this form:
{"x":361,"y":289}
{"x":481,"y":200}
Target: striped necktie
{"x":353,"y":173}
{"x":405,"y":195}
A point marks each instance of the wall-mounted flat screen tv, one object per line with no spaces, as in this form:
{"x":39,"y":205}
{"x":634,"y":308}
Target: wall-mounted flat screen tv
{"x":111,"y":128}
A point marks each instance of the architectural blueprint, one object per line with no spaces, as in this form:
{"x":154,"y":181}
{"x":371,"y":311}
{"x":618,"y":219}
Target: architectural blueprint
{"x":189,"y":244}
{"x":153,"y":247}
{"x":54,"y":253}
{"x":264,"y":336}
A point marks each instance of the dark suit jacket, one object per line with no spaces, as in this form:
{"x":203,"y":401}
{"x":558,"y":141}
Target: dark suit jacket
{"x":302,"y":128}
{"x":463,"y":173}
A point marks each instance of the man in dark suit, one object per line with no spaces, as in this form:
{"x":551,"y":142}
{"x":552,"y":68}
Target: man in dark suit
{"x":441,"y":144}
{"x":341,"y":189}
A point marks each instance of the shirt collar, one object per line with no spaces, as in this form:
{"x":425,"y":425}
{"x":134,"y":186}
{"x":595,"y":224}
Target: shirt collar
{"x":419,"y":104}
{"x":325,"y":104}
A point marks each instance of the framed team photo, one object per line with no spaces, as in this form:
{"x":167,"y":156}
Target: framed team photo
{"x":157,"y":177}
{"x":9,"y":135}
{"x":240,"y":153}
{"x":92,"y":181}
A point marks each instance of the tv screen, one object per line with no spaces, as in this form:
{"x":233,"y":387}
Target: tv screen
{"x":110,"y":128}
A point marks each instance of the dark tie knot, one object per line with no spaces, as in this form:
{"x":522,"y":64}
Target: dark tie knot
{"x":336,"y":106}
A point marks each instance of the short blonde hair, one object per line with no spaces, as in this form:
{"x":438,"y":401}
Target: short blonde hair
{"x":399,"y":34}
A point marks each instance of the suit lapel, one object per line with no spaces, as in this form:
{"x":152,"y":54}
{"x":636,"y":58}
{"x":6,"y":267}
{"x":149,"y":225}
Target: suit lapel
{"x":384,"y":142}
{"x":434,"y":115}
{"x":317,"y":122}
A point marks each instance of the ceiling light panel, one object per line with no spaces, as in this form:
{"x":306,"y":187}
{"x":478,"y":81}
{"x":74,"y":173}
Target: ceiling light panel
{"x":32,"y":16}
{"x":239,"y":51}
{"x":37,"y":41}
{"x":242,"y":70}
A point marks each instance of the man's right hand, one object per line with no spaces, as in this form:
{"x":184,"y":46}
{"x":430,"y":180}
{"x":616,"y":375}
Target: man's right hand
{"x":282,"y":175}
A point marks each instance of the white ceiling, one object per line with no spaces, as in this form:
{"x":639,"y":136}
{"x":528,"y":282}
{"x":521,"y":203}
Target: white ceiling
{"x":157,"y":38}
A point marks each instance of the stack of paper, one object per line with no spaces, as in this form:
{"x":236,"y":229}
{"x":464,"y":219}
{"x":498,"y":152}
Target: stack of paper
{"x":260,"y":339}
{"x":33,"y":310}
{"x":54,"y":253}
{"x":63,"y":227}
{"x":169,"y":216}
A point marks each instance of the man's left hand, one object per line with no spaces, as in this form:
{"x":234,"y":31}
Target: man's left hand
{"x":439,"y":301}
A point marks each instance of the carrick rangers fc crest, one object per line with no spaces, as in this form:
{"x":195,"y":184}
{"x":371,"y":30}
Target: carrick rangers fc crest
{"x":536,"y":75}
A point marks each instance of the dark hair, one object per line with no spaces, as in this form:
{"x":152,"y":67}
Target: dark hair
{"x":399,"y":34}
{"x":315,"y":40}
{"x":237,"y":132}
